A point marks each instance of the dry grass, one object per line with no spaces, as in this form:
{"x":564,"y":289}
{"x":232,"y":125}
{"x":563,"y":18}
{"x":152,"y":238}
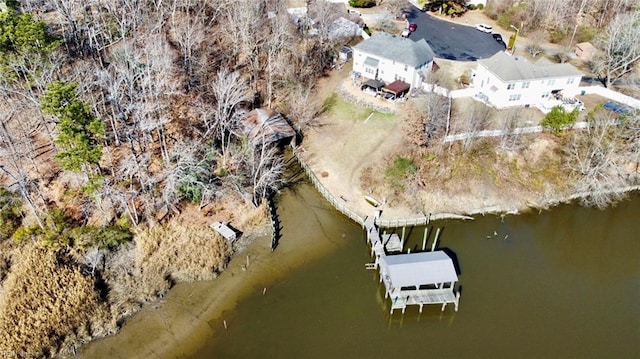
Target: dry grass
{"x":161,"y":256}
{"x":47,"y":304}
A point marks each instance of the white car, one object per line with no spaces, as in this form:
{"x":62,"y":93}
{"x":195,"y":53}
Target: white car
{"x":484,"y":28}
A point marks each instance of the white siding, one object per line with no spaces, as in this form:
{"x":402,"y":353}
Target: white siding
{"x":388,"y":70}
{"x":520,"y":93}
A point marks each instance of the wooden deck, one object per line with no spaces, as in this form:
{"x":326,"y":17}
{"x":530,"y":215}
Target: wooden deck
{"x":424,"y":296}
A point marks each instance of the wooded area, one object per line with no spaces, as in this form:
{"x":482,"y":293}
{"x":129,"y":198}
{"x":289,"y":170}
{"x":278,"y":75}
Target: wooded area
{"x":116,"y":115}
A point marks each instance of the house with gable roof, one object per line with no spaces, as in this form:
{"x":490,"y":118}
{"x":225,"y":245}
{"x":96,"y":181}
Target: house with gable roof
{"x":506,"y":81}
{"x":390,"y":58}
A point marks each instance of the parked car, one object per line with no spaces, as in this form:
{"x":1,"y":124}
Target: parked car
{"x":405,"y":33}
{"x":413,"y":27}
{"x":484,"y":28}
{"x":497,"y":37}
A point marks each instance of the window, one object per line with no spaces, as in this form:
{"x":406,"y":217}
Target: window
{"x":511,"y":86}
{"x":570,"y":81}
{"x":405,"y":67}
{"x":545,"y":95}
{"x":525,"y":85}
{"x":551,"y":82}
{"x":514,"y":97}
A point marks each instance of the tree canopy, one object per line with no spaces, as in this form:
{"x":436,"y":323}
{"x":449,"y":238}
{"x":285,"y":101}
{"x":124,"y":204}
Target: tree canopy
{"x":80,"y":131}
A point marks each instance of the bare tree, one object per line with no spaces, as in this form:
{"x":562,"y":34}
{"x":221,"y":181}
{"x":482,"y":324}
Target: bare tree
{"x":267,"y":170}
{"x":229,"y":91}
{"x":427,"y":119}
{"x":188,"y":31}
{"x":537,"y":38}
{"x":477,"y":117}
{"x":596,"y":158}
{"x":509,"y":138}
{"x":620,"y":45}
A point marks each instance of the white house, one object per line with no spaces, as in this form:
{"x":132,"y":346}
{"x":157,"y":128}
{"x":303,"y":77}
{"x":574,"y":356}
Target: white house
{"x":505,"y":81}
{"x":389,"y":58}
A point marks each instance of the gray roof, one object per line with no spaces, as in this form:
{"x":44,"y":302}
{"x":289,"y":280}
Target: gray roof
{"x":511,"y":68}
{"x":396,"y":48}
{"x":417,"y":269}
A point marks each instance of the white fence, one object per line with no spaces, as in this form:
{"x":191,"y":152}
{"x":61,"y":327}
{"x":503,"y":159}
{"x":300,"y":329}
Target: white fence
{"x":608,"y":93}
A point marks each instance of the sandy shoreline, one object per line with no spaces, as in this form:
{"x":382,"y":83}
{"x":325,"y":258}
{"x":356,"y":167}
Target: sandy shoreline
{"x":192,"y":313}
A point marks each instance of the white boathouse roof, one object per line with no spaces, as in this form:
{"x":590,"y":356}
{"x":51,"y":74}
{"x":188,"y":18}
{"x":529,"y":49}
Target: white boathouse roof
{"x":415,"y":269}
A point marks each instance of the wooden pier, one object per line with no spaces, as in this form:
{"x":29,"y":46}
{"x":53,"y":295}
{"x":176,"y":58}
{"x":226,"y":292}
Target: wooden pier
{"x":414,"y":278}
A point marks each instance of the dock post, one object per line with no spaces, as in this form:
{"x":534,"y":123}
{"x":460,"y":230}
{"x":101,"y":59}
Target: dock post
{"x":402,"y":241}
{"x":443,"y":305}
{"x":435,"y":240}
{"x":457,"y":301}
{"x":424,"y":238}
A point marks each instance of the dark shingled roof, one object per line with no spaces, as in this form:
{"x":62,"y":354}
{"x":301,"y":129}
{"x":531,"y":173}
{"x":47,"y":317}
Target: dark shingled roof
{"x":396,"y":48}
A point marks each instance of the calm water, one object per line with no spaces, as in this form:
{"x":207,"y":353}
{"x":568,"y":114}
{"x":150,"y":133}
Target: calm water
{"x":558,"y":284}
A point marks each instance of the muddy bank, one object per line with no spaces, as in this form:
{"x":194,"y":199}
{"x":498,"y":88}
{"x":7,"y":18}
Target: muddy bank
{"x":191,"y":313}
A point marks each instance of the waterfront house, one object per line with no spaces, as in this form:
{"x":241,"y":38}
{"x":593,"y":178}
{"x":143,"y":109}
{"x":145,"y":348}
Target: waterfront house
{"x":506,"y":81}
{"x":389,"y":58}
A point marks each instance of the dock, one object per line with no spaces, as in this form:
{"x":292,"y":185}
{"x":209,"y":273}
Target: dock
{"x":414,"y":278}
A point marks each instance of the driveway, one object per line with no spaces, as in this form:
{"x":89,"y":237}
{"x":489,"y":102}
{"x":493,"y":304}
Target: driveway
{"x":453,"y":41}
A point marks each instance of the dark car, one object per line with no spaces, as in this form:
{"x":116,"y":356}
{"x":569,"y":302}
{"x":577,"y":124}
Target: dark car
{"x":497,"y":37}
{"x":413,"y":27}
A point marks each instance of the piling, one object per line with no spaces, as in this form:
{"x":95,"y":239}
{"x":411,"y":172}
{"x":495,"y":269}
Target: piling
{"x":424,"y":238}
{"x":435,"y":240}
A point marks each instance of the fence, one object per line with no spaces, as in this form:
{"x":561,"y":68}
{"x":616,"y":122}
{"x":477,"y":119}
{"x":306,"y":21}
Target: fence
{"x":336,"y":203}
{"x":342,"y":208}
{"x":608,"y":93}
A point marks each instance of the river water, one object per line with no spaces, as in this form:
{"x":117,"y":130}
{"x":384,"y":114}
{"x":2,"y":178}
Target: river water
{"x":563,"y":283}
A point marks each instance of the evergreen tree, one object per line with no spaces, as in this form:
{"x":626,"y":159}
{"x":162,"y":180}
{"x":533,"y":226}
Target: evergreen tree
{"x":79,"y":131}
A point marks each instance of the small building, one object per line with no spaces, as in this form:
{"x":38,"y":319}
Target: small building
{"x":506,"y":81}
{"x":388,"y":58}
{"x":224,"y":231}
{"x":585,"y":51}
{"x":264,"y":127}
{"x":345,"y":53}
{"x":419,"y":279}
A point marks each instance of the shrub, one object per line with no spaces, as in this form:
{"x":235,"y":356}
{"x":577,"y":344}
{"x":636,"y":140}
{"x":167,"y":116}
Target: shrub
{"x":107,"y":237}
{"x":472,"y":6}
{"x":557,"y":35}
{"x":558,"y":119}
{"x":362,"y":3}
{"x":10,"y":214}
{"x":480,"y":6}
{"x":400,"y":169}
{"x":585,"y":33}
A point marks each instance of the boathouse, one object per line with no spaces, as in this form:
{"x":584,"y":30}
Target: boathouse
{"x":413,"y":278}
{"x":264,"y":127}
{"x":418,"y":279}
